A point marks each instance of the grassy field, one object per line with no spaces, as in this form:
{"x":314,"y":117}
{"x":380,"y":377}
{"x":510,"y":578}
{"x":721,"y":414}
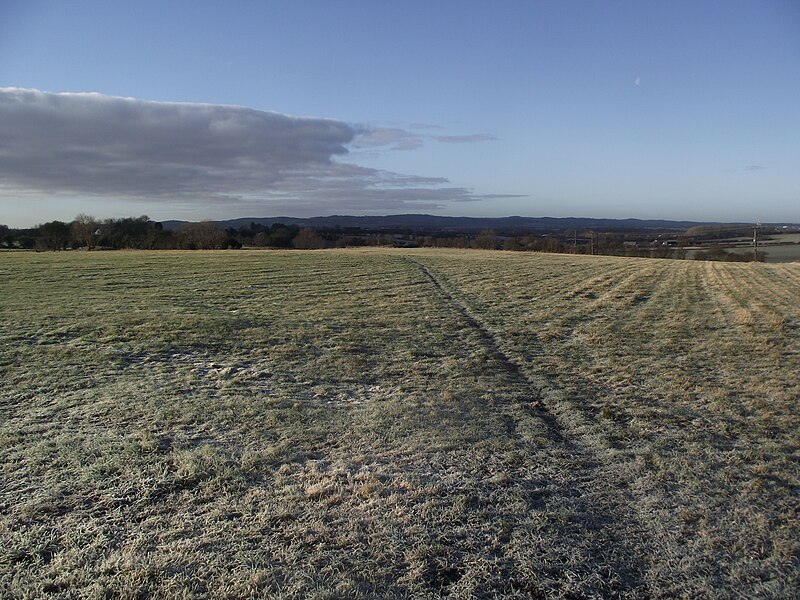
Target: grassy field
{"x":387,"y":423}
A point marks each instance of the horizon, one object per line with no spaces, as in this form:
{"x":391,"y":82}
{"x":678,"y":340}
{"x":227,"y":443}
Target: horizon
{"x":379,"y":216}
{"x":678,"y":112}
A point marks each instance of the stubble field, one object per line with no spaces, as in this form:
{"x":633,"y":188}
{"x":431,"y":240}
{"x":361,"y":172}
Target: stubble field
{"x":386,"y":423}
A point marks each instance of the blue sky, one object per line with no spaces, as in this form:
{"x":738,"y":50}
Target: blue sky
{"x":682,"y":110}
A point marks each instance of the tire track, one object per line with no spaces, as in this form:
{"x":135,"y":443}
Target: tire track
{"x":535,"y":407}
{"x":609,"y":532}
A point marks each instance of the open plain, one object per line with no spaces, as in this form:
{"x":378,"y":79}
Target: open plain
{"x":397,"y":423}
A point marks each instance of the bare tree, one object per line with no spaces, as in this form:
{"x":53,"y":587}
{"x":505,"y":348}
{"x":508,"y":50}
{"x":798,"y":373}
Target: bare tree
{"x":308,"y":239}
{"x":83,"y":229}
{"x":53,"y":236}
{"x":201,"y":236}
{"x":487,"y":239}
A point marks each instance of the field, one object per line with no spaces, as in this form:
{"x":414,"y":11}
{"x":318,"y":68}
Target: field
{"x":386,"y":423}
{"x":776,"y":248}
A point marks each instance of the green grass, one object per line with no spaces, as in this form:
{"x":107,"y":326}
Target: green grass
{"x":397,"y":423}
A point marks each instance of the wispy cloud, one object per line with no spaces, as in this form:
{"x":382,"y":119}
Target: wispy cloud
{"x":751,"y":167}
{"x":425,"y":126}
{"x":123,"y":148}
{"x":392,"y":138}
{"x":396,"y":138}
{"x":465,"y":139}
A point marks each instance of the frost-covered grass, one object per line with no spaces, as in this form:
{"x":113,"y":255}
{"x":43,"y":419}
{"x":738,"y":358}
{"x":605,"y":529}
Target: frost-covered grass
{"x":397,"y":423}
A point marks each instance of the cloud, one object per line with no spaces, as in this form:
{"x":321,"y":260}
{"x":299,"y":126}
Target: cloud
{"x":108,"y":145}
{"x":465,"y":139}
{"x":752,"y":167}
{"x":353,"y":188}
{"x":425,"y":126}
{"x":395,"y":138}
{"x":95,"y":145}
{"x":392,"y":137}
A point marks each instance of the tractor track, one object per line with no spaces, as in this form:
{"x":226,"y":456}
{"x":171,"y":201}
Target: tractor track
{"x":600,"y":495}
{"x":534,"y":406}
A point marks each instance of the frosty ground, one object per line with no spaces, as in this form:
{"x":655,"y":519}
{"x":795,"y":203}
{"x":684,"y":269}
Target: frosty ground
{"x":402,"y":423}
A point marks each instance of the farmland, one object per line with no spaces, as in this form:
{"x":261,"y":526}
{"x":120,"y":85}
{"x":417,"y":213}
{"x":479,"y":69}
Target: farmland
{"x":402,"y":423}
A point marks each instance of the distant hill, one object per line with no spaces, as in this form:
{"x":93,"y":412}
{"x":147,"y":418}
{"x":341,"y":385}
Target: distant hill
{"x":439,"y":223}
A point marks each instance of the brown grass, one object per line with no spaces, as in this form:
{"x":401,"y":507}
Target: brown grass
{"x":397,"y":423}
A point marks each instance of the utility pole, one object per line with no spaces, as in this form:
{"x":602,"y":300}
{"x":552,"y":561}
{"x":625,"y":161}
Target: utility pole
{"x":755,"y":241}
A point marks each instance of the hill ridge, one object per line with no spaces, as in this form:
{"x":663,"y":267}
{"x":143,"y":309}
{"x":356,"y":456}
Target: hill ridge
{"x":426,"y":221}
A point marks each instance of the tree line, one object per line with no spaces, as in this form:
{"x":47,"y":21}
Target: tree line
{"x":87,"y":232}
{"x":145,"y":234}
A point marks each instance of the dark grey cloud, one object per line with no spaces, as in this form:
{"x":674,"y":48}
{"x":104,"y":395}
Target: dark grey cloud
{"x":122,"y":148}
{"x":107,"y":145}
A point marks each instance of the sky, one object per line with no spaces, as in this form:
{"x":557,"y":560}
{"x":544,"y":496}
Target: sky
{"x":686,"y":110}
